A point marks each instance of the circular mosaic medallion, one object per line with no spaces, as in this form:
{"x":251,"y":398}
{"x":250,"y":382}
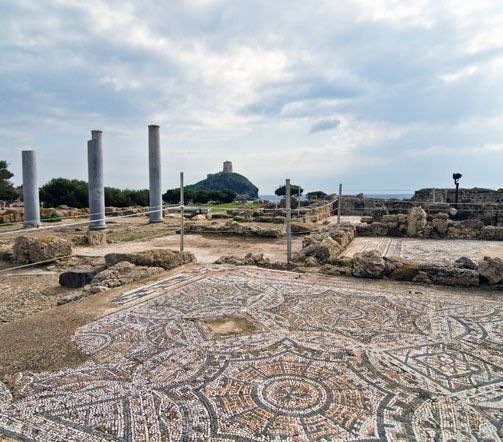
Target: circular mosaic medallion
{"x":346,"y":313}
{"x":292,"y":395}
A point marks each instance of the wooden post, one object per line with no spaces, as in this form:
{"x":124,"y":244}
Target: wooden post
{"x":339,"y":205}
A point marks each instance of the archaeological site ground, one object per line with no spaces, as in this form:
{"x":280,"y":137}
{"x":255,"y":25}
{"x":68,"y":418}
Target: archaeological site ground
{"x":385,"y":325}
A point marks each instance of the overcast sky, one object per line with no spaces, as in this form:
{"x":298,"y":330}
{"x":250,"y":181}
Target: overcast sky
{"x":376,"y":94}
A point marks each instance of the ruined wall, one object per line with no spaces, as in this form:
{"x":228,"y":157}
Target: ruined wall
{"x":475,"y":195}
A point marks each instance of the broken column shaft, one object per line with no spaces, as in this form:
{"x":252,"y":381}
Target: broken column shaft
{"x":30,"y":189}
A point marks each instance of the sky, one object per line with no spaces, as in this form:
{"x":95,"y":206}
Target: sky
{"x":380,"y":95}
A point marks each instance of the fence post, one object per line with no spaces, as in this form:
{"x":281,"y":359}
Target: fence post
{"x":182,"y":203}
{"x":339,"y":205}
{"x":288,"y":223}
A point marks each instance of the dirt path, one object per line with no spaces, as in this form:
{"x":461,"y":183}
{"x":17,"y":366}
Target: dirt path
{"x":206,"y":248}
{"x":43,"y":341}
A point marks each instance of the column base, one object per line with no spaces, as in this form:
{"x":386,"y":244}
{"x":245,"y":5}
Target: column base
{"x":96,"y":237}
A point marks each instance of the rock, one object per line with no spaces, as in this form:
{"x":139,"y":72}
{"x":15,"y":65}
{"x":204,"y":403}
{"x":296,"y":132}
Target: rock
{"x":416,"y":221}
{"x":233,"y":260}
{"x":334,"y":270}
{"x":165,"y":258}
{"x":441,"y":224}
{"x":422,"y":278}
{"x":368,"y":265}
{"x":113,"y":258}
{"x":76,"y":278}
{"x":198,"y":217}
{"x":466,"y":263}
{"x":70,"y":298}
{"x":379,"y":229}
{"x":341,"y":261}
{"x":491,"y":270}
{"x":6,"y":255}
{"x":488,"y":232}
{"x":366,"y":219}
{"x":119,"y":274}
{"x":392,"y":263}
{"x":303,"y":228}
{"x":457,"y":231}
{"x":403,"y":270}
{"x":364,"y":230}
{"x":324,"y":250}
{"x":311,"y":261}
{"x":28,"y":250}
{"x":96,"y":237}
{"x":249,"y":259}
{"x":452,"y":276}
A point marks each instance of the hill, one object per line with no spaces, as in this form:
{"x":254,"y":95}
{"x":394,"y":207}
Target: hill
{"x":227,"y":179}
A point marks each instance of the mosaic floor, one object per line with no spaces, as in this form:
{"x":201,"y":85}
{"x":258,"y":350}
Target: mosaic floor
{"x":434,"y":251}
{"x":243,"y":354}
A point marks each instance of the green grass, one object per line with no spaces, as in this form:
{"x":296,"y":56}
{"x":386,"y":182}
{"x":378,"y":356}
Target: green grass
{"x":227,"y":206}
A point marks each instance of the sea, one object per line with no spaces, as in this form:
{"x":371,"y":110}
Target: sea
{"x":384,"y":196}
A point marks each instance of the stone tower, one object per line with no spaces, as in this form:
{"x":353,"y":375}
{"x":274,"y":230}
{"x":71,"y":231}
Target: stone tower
{"x":227,"y":167}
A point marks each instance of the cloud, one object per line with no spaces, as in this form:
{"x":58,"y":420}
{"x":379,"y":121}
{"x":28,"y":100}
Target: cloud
{"x":324,"y":125}
{"x":384,"y":80}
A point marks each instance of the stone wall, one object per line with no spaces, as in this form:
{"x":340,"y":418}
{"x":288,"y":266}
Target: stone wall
{"x":462,"y":272}
{"x":416,"y":223}
{"x":475,"y":195}
{"x":483,"y":204}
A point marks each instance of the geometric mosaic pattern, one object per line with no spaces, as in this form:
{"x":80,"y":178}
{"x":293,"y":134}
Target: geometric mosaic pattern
{"x":242,"y":354}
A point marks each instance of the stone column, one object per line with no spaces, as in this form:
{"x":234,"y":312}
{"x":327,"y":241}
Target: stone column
{"x":30,"y":189}
{"x":154,"y":169}
{"x":96,"y":186}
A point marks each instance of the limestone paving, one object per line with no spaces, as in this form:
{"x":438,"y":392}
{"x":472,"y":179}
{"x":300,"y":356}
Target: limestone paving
{"x":242,"y":354}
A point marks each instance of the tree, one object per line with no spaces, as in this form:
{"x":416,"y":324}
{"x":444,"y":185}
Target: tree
{"x":199,"y":196}
{"x":294,"y":190}
{"x":227,"y":196}
{"x":316,"y":194}
{"x":7,"y":190}
{"x":62,"y":191}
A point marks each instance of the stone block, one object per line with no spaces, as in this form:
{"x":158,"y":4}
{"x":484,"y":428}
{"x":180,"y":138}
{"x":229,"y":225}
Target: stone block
{"x":368,"y":265}
{"x":491,"y":270}
{"x":76,"y":278}
{"x":96,"y":237}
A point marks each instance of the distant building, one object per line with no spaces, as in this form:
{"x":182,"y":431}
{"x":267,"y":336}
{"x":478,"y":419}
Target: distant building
{"x":227,"y":167}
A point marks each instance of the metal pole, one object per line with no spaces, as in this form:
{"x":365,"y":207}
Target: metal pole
{"x":298,"y":203}
{"x":339,"y":204}
{"x":182,"y":202}
{"x":154,"y":173}
{"x":30,"y":189}
{"x":288,"y":223}
{"x":96,"y":185}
